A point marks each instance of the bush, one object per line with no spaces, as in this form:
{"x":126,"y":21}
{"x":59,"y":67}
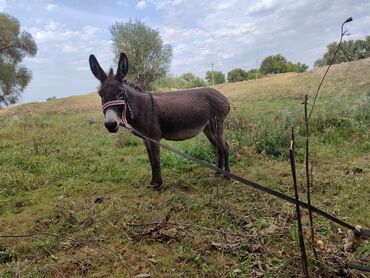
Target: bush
{"x":51,"y":98}
{"x":361,"y":110}
{"x":185,"y":81}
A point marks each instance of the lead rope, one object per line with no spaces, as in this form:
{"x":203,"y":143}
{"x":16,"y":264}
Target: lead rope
{"x":363,"y":232}
{"x":280,"y":195}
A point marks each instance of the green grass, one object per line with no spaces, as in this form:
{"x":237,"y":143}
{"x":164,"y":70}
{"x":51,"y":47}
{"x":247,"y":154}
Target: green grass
{"x":56,"y":158}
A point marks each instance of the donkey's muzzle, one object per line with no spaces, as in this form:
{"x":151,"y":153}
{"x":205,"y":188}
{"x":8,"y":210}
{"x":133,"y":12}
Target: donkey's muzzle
{"x":111,"y":126}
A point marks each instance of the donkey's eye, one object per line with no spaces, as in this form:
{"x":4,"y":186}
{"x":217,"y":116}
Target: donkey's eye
{"x":121,"y":95}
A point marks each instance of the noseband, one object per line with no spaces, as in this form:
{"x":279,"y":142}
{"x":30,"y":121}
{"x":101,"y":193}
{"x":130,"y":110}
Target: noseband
{"x":117,"y":103}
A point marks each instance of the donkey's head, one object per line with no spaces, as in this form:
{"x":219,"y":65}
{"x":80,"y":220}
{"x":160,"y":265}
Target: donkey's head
{"x":111,"y":92}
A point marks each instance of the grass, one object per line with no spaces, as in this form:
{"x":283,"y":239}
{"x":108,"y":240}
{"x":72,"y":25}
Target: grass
{"x":56,"y":159}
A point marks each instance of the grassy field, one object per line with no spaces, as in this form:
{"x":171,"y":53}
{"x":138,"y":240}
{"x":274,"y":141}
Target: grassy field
{"x":65,"y":178}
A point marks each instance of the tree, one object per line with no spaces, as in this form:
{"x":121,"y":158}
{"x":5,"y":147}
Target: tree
{"x":218,"y":76}
{"x":192,"y":81}
{"x":237,"y":75}
{"x":147,"y":54}
{"x":278,"y":64}
{"x":14,"y":46}
{"x":252,"y":74}
{"x":273,"y":64}
{"x":301,"y":67}
{"x":349,"y":51}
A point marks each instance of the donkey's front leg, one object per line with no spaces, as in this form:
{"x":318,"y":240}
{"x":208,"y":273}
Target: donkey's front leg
{"x":156,"y":166}
{"x":149,"y":151}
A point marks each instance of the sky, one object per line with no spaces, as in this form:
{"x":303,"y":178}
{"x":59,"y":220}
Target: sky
{"x":228,"y":33}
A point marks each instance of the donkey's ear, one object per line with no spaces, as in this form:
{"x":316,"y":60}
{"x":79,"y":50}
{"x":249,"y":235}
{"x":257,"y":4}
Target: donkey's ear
{"x":122,"y":67}
{"x":96,"y":69}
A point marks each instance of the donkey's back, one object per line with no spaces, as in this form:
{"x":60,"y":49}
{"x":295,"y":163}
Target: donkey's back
{"x":183,"y":114}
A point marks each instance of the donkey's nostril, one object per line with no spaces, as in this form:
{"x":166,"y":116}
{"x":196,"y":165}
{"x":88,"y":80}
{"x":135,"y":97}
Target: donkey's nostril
{"x":111,"y":126}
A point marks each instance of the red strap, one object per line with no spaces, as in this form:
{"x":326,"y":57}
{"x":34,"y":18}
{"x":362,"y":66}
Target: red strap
{"x":116,"y":103}
{"x":113,"y":103}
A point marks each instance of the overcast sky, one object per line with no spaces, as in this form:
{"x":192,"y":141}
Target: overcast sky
{"x":225,"y":32}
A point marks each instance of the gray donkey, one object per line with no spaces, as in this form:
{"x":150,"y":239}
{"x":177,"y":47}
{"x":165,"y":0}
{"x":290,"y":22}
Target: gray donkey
{"x":174,"y":116}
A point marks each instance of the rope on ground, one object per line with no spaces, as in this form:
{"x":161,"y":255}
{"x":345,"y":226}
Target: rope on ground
{"x":252,"y":184}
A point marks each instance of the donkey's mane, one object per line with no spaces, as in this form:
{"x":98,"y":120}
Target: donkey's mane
{"x":133,"y":85}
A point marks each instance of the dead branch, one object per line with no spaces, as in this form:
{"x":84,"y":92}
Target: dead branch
{"x":298,"y":212}
{"x":308,"y":182}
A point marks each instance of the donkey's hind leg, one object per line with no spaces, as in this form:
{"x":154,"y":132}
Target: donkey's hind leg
{"x":221,"y":143}
{"x":209,"y":132}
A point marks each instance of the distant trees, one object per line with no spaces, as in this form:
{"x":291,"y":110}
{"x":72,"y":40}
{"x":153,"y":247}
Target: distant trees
{"x":218,"y":76}
{"x":350,"y":51}
{"x":14,"y":46}
{"x":149,"y":58}
{"x":185,"y":81}
{"x":252,"y":74}
{"x":279,"y":64}
{"x":238,"y":74}
{"x":192,"y":81}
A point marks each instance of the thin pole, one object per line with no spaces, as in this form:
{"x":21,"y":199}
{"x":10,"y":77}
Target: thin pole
{"x":297,"y":208}
{"x":308,"y":182}
{"x":257,"y":65}
{"x":213,"y":75}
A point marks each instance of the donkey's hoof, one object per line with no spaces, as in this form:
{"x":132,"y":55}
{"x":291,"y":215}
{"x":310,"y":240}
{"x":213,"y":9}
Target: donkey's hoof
{"x":157,"y":187}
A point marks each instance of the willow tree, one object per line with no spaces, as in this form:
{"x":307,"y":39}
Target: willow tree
{"x":14,"y":46}
{"x":149,"y":58}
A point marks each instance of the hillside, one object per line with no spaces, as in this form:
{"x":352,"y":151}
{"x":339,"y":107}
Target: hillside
{"x":64,"y":178}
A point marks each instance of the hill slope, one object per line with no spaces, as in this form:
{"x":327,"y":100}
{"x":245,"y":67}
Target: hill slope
{"x":62,"y":176}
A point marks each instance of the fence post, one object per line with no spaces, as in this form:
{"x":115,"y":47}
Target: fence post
{"x":298,"y":212}
{"x":308,"y":181}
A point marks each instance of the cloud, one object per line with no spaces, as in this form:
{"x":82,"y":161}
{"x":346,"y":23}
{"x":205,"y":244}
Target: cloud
{"x":141,"y":4}
{"x":61,"y":65}
{"x":2,"y":5}
{"x":229,"y":33}
{"x":51,"y":7}
{"x":263,"y":6}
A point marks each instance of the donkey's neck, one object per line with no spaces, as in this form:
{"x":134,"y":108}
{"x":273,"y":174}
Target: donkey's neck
{"x":140,"y":103}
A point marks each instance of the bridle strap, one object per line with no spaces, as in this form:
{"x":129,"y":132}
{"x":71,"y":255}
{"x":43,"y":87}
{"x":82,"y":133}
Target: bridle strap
{"x":117,"y":103}
{"x":113,"y":103}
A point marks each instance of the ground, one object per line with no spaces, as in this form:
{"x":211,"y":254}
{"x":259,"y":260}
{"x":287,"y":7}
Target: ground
{"x":83,"y":194}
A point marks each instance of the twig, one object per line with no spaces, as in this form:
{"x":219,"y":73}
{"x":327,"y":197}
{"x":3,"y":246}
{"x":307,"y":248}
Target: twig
{"x":209,"y":229}
{"x":300,"y":233}
{"x":147,"y":261}
{"x":308,"y":182}
{"x":155,"y":229}
{"x":29,"y":235}
{"x":343,"y":33}
{"x":185,"y":225}
{"x":363,"y":268}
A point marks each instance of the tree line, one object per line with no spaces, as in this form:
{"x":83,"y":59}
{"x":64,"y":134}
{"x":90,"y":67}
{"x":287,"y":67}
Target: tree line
{"x":150,"y":59}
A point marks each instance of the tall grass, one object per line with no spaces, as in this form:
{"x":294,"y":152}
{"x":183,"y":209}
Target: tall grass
{"x":335,"y":121}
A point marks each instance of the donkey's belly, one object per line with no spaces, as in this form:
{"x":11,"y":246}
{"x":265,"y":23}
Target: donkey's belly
{"x":182,"y":134}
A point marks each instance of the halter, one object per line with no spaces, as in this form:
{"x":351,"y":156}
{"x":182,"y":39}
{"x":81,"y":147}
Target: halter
{"x":117,"y":103}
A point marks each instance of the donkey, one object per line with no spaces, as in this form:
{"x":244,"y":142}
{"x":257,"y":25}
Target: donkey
{"x":174,"y":116}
